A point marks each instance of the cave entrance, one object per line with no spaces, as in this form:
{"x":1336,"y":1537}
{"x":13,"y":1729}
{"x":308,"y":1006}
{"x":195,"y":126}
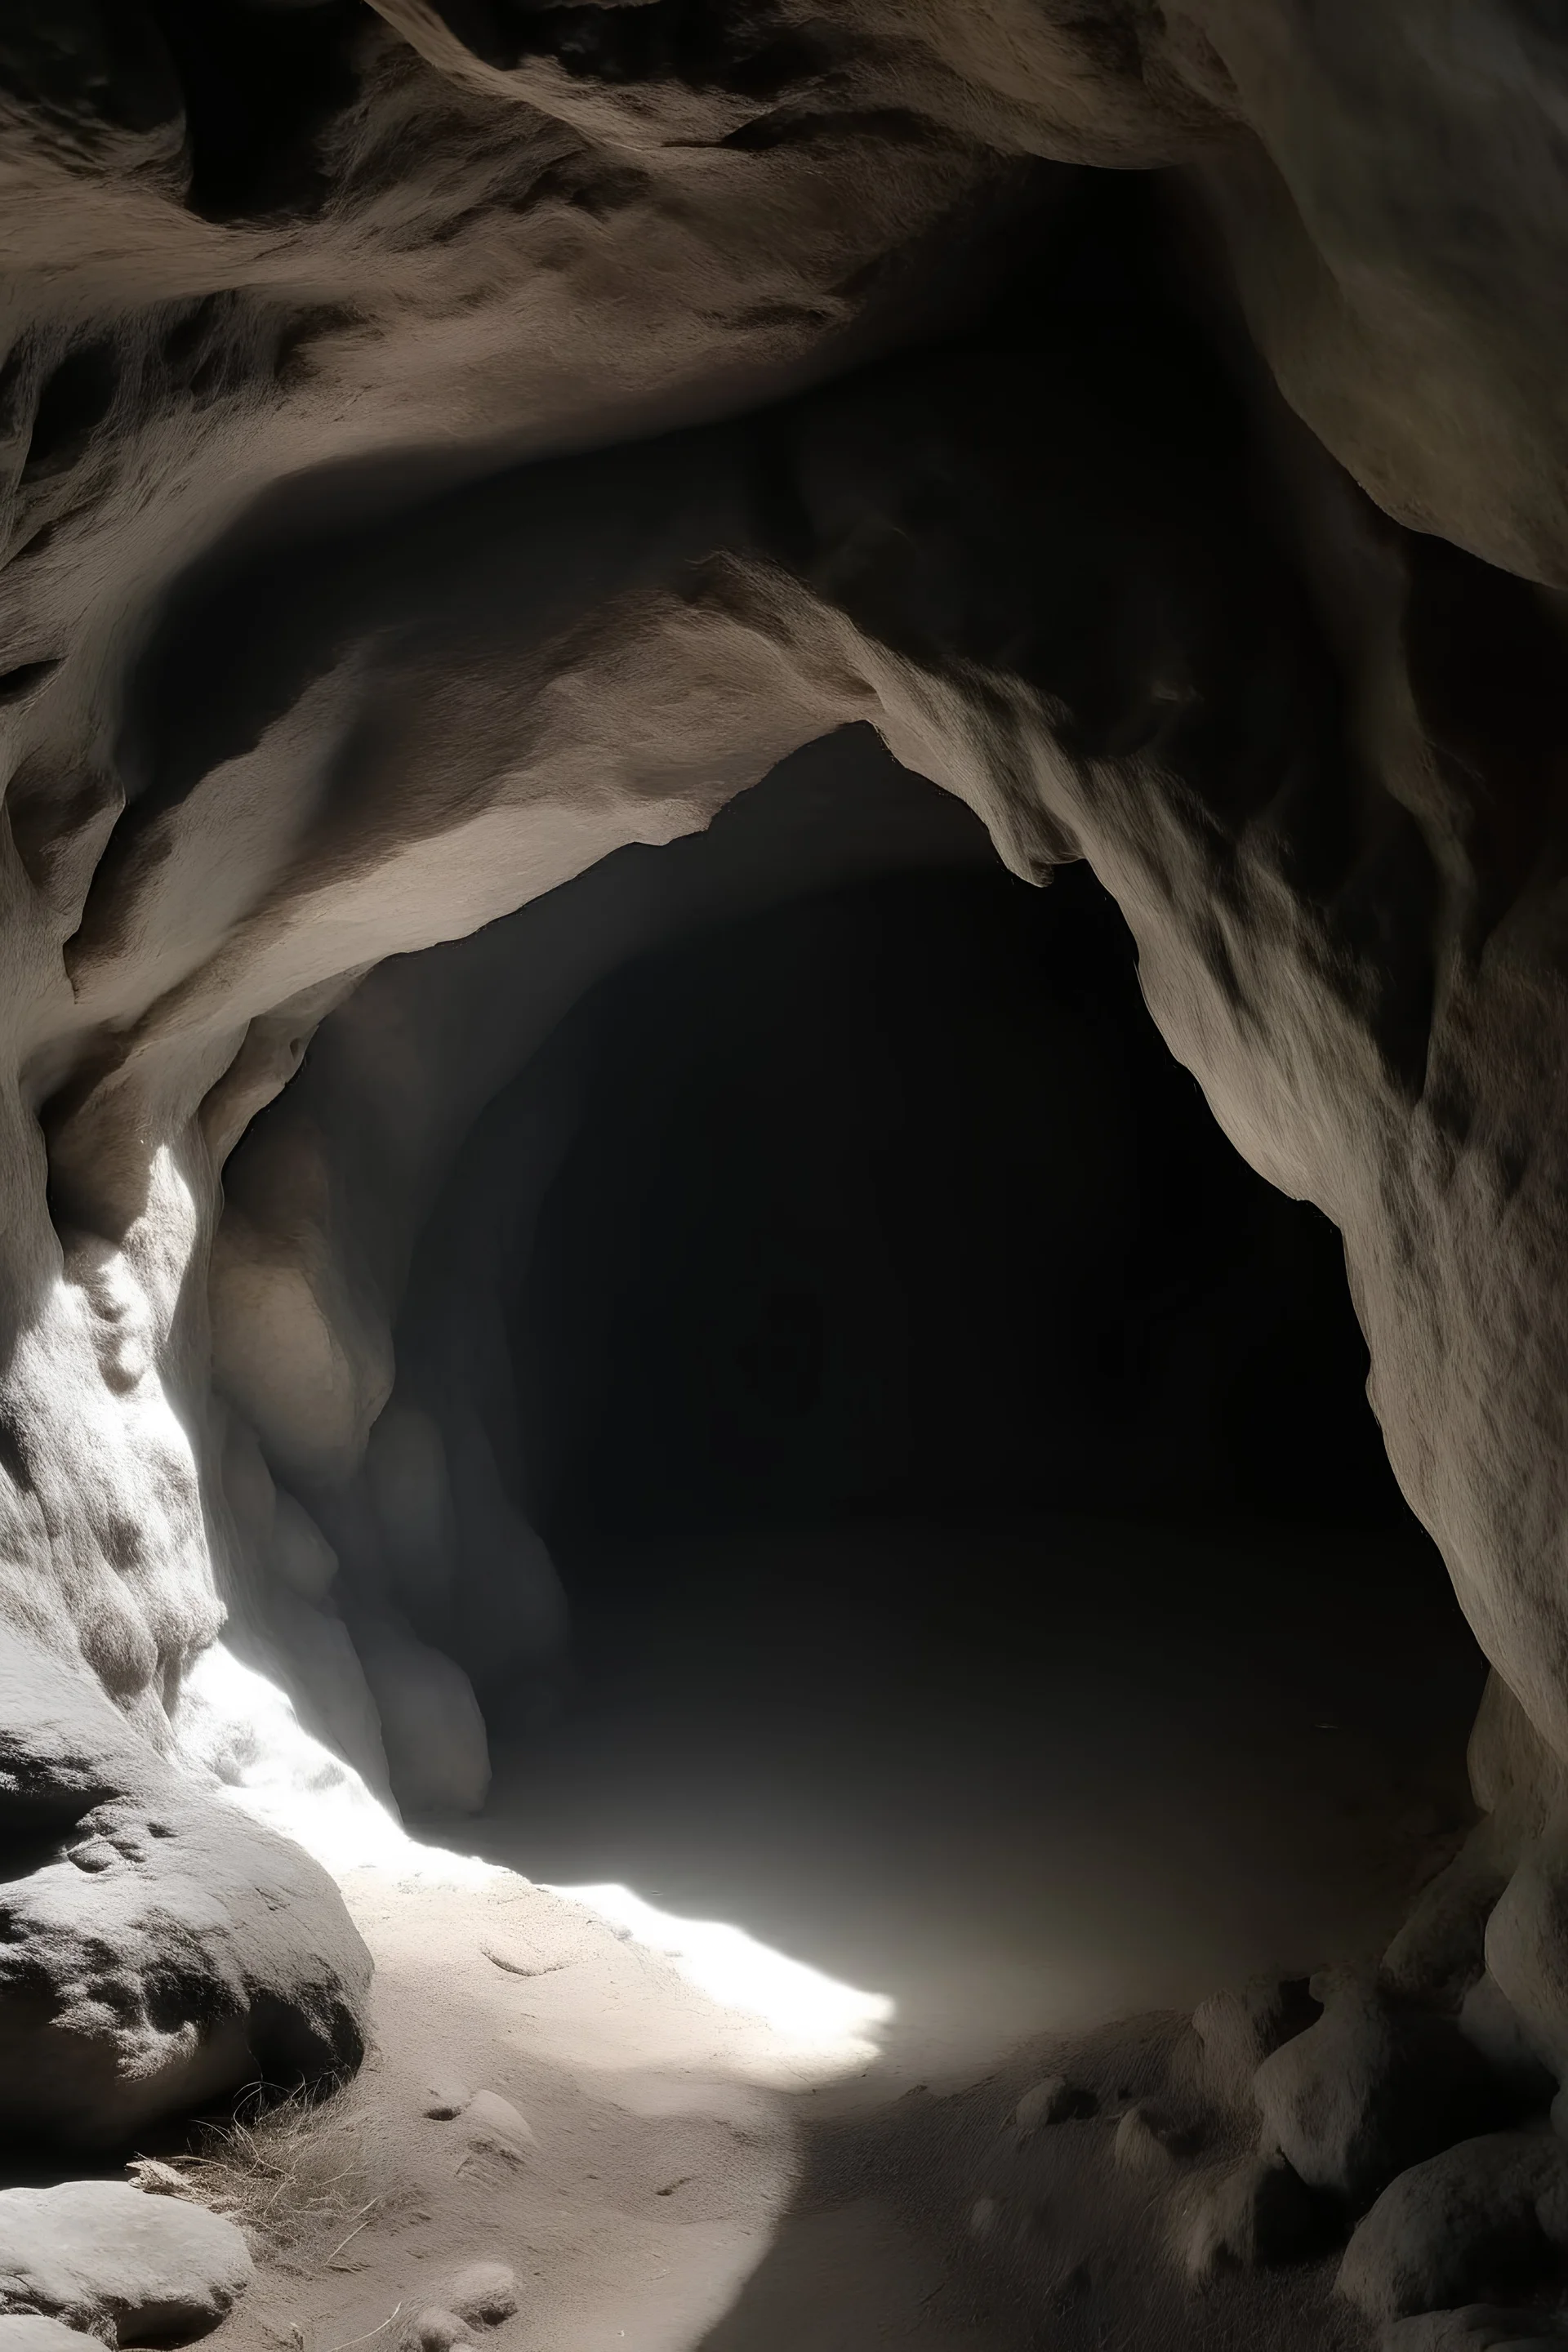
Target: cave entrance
{"x":986,"y":1580}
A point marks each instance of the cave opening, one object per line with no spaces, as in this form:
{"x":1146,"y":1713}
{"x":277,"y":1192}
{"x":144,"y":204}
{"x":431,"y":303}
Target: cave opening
{"x":952,"y":1455}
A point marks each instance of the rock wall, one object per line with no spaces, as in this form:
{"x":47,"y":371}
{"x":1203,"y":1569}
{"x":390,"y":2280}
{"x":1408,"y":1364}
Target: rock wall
{"x":445,"y":447}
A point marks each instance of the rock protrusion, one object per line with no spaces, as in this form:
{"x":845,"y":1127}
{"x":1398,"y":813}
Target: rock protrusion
{"x":1149,"y":2139}
{"x":158,"y":1947}
{"x":31,"y":2332}
{"x":484,"y":2293}
{"x":1260,"y":2214}
{"x":1489,"y":2215}
{"x":106,"y":2259}
{"x":1373,"y":2087}
{"x":491,"y":2122}
{"x":1237,"y":2031}
{"x":438,"y":2330}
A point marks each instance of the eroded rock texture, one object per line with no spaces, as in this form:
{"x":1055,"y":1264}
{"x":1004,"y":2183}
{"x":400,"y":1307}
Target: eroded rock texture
{"x":445,"y":445}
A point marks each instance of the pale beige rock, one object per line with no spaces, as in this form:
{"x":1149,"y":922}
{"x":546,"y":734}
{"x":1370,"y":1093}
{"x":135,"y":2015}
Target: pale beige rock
{"x":98,"y":2256}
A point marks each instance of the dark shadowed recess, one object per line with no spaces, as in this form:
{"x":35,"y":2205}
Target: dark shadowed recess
{"x":893,"y":1198}
{"x":260,"y":83}
{"x":987,"y":1582}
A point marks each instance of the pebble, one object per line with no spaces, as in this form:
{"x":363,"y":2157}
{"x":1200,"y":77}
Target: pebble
{"x":439,"y":2331}
{"x":484,"y":2294}
{"x":1055,"y":2101}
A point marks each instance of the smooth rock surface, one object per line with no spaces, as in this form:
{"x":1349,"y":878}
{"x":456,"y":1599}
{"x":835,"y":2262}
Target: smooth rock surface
{"x":1374,"y":2087}
{"x":99,"y":2256}
{"x":1489,"y":2215}
{"x":31,"y":2332}
{"x":1236,"y":2031}
{"x":484,"y":2293}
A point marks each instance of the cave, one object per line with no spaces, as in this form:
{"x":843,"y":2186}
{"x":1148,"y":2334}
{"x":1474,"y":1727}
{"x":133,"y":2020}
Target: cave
{"x":782,"y":1400}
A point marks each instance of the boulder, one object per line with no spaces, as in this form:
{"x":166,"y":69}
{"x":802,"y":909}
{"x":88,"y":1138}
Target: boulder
{"x":31,"y":2332}
{"x":105,"y":2258}
{"x":1375,"y":2085}
{"x":1490,"y":2215}
{"x":158,"y":1947}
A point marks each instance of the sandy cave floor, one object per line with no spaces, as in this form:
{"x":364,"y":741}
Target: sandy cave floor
{"x":1040,"y":1788}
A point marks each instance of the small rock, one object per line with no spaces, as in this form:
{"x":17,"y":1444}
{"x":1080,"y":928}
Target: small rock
{"x":159,"y":2180}
{"x":1149,"y":2140}
{"x":1056,"y":2100}
{"x":1261,"y":2213}
{"x":1236,"y":2031}
{"x":490,"y":2121}
{"x":485,"y":2294}
{"x":983,"y":2216}
{"x":445,"y":2100}
{"x":439,"y":2331}
{"x":28,"y":2332}
{"x":102,"y":2255}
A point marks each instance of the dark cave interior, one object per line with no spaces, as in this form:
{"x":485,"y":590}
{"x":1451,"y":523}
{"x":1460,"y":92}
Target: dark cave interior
{"x":950,"y":1452}
{"x":892,"y":1200}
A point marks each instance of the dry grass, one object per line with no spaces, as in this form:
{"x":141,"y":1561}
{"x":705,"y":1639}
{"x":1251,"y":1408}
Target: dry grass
{"x":302,"y":2176}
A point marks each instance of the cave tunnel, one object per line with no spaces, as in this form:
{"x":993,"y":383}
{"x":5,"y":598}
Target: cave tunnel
{"x":878,"y":1455}
{"x":784,"y":1042}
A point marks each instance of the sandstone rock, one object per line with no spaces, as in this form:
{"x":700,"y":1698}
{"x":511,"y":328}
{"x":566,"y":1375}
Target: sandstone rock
{"x":1236,"y":2031}
{"x":1490,"y":2214}
{"x":1374,"y":2087}
{"x":98,"y":2256}
{"x":157,"y":1947}
{"x":33,"y":2332}
{"x":1261,"y":2213}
